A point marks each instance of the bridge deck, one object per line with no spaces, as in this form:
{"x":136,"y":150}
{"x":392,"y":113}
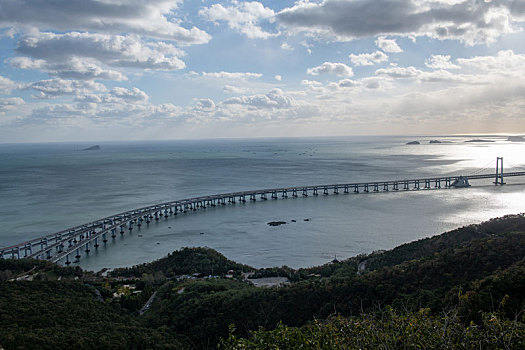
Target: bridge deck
{"x":60,"y":245}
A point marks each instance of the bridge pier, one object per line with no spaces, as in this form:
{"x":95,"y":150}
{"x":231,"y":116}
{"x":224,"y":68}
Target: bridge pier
{"x":87,"y":247}
{"x":438,"y":183}
{"x":499,"y":172}
{"x":113,"y":233}
{"x":263,"y":196}
{"x":67,"y":260}
{"x":285,"y":194}
{"x":78,"y":254}
{"x":104,"y":239}
{"x":294,"y":192}
{"x":376,"y":187}
{"x":365,"y":188}
{"x":416,"y":184}
{"x":356,"y":188}
{"x":346,"y":189}
{"x":252,"y":197}
{"x":305,"y":192}
{"x":96,"y":243}
{"x":336,"y":190}
{"x":315,"y":191}
{"x":325,"y":191}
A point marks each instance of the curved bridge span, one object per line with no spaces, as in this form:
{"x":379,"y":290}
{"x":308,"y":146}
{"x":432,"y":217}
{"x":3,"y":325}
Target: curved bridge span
{"x":68,"y":245}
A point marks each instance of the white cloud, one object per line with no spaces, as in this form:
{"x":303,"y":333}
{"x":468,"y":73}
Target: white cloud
{"x":205,"y":104}
{"x":278,"y":77}
{"x":6,"y":85}
{"x":399,"y":72}
{"x":274,"y":99}
{"x":58,"y":87}
{"x":153,"y":18}
{"x":440,"y":62}
{"x":388,"y":45}
{"x":52,"y":50}
{"x":133,"y":95}
{"x":230,"y":89}
{"x":368,"y":59}
{"x":10,"y":103}
{"x":339,"y":69}
{"x":505,"y":63}
{"x":470,"y":21}
{"x":243,"y":17}
{"x":74,"y":68}
{"x":232,"y":75}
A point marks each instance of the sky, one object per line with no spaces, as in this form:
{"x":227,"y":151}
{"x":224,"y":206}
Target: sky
{"x":89,"y":70}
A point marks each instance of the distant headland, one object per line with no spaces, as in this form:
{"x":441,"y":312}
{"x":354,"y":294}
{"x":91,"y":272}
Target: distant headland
{"x":92,"y":148}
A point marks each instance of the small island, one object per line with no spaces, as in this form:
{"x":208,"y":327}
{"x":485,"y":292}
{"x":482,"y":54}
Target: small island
{"x":480,"y":140}
{"x":413,"y":143}
{"x":434,"y":141}
{"x":92,"y":148}
{"x":516,"y":139}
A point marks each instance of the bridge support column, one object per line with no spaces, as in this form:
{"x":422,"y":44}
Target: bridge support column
{"x":285,"y":194}
{"x":294,"y":193}
{"x":325,"y":191}
{"x":356,"y":188}
{"x":346,"y":189}
{"x":113,"y":233}
{"x":96,"y":243}
{"x":252,"y":197}
{"x":305,"y":192}
{"x":104,"y":239}
{"x":499,"y":172}
{"x":156,"y":215}
{"x":366,"y":188}
{"x":67,"y":260}
{"x":385,"y":186}
{"x":315,"y":191}
{"x":438,"y":183}
{"x":376,"y":187}
{"x":78,"y":254}
{"x":336,"y":190}
{"x":416,"y":184}
{"x":87,"y":248}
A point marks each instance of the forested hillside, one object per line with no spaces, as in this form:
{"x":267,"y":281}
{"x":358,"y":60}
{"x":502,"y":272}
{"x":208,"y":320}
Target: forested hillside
{"x":461,"y":289}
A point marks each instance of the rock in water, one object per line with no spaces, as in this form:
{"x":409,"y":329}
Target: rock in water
{"x":92,"y":148}
{"x":413,"y":143}
{"x":276,"y":223}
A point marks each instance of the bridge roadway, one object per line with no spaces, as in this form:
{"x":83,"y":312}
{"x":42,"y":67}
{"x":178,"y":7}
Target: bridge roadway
{"x":61,"y":245}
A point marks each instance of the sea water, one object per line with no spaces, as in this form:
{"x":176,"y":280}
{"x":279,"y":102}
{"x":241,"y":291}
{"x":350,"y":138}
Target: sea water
{"x":46,"y":188}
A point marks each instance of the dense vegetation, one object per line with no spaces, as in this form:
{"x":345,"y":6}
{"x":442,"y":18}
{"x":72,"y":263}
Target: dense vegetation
{"x":186,"y":261}
{"x":462,"y":289}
